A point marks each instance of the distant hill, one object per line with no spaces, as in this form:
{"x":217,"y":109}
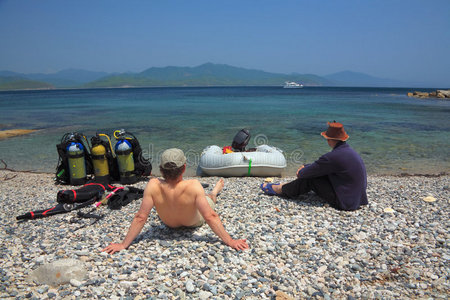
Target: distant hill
{"x":19,"y":83}
{"x":349,"y":78}
{"x":69,"y":77}
{"x":208,"y":74}
{"x":204,"y":75}
{"x":61,"y":79}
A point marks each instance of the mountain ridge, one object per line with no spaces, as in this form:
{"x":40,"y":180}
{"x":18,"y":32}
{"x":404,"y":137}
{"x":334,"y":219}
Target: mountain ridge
{"x":64,"y":78}
{"x":207,"y":74}
{"x":20,"y":83}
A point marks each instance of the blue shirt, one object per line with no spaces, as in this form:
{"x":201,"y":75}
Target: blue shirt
{"x":347,"y":173}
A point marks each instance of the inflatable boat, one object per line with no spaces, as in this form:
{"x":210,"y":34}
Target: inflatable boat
{"x":265,"y":161}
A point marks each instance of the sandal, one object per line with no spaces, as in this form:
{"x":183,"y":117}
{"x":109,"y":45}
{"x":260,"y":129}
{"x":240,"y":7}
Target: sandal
{"x":268,"y":190}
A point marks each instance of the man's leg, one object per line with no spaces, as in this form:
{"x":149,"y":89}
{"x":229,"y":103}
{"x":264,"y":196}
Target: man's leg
{"x":212,"y":199}
{"x":216,"y":190}
{"x":295,"y":188}
{"x":324,"y":189}
{"x":320,"y":185}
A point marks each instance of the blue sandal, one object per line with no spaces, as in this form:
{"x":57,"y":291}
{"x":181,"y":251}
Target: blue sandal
{"x":268,"y":190}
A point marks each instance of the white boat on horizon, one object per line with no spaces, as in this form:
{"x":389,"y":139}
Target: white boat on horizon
{"x":292,"y":85}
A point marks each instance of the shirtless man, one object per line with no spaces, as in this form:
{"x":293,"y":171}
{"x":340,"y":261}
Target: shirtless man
{"x":178,"y":203}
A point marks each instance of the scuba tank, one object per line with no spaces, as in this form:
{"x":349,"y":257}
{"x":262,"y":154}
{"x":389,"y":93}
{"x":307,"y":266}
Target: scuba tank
{"x":77,"y":164}
{"x":125,"y":160}
{"x":74,"y":160}
{"x":104,"y":159}
{"x":99,"y":159}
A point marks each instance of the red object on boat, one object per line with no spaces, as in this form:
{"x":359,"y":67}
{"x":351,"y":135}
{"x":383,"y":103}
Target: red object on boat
{"x":227,"y":149}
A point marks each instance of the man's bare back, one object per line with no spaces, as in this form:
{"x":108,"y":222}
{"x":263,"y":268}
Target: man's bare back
{"x":176,"y":203}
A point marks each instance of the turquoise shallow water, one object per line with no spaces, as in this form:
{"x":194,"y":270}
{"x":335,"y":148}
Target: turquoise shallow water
{"x":394,"y":134}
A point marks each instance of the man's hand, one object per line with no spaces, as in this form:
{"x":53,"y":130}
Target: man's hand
{"x":138,"y":222}
{"x":298,"y":171}
{"x":238,"y":244}
{"x":113,"y":248}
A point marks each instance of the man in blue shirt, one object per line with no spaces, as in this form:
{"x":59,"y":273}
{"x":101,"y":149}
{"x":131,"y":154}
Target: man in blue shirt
{"x":339,"y":176}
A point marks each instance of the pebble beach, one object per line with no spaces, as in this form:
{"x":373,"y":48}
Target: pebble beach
{"x":397,"y":247}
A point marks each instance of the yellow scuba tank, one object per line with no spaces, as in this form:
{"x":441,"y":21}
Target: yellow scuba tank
{"x":99,"y":157}
{"x":77,"y":164}
{"x":125,"y":160}
{"x":101,"y":169}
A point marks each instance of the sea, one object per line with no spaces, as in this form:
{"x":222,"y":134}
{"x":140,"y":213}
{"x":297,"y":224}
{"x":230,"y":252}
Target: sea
{"x":394,"y":134}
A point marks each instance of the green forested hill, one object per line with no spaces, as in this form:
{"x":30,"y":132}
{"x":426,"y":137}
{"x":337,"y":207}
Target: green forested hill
{"x":19,"y":83}
{"x":204,"y":75}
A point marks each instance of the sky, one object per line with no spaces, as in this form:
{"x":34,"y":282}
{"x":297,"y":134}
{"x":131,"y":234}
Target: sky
{"x":406,"y":40}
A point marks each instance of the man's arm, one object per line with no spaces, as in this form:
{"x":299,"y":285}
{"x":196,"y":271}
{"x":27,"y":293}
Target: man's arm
{"x":322,"y":166}
{"x":138,"y":222}
{"x":213,"y":220}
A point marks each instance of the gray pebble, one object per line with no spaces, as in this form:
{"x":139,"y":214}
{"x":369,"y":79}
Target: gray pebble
{"x":190,"y":286}
{"x":289,"y":249}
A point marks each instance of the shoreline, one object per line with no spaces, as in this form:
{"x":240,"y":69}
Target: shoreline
{"x":157,"y":174}
{"x":48,"y":167}
{"x":395,"y":247}
{"x":220,"y":86}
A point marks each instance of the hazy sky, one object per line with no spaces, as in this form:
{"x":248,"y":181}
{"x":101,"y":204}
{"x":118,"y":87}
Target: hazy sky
{"x":400,"y":39}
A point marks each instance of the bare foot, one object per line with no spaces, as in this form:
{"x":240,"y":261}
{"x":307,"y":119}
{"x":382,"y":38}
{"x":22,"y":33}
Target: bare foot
{"x":216,"y":190}
{"x":218,"y":187}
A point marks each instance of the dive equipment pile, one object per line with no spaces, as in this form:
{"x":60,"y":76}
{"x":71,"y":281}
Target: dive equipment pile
{"x":80,"y":161}
{"x":95,"y":166}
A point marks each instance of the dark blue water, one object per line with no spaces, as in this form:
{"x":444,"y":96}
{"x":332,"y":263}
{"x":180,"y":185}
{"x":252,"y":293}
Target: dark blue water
{"x":394,"y":133}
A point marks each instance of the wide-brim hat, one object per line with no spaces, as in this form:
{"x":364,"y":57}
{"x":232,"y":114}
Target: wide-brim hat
{"x":335,"y":131}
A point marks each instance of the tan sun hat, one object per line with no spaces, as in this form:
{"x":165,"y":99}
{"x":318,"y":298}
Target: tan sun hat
{"x":172,"y":158}
{"x":335,"y":131}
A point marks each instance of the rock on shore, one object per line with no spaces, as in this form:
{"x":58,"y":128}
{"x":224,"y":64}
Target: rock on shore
{"x":442,"y":94}
{"x":298,"y":248}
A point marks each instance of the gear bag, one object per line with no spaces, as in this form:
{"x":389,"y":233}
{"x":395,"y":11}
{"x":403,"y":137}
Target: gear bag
{"x":85,"y":193}
{"x":124,"y":196}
